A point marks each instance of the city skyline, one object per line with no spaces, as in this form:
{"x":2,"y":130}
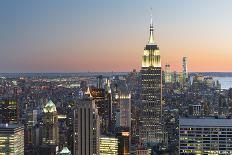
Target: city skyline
{"x":110,"y":36}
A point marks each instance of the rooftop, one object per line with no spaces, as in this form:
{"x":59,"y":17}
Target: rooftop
{"x":208,"y":122}
{"x":49,"y":107}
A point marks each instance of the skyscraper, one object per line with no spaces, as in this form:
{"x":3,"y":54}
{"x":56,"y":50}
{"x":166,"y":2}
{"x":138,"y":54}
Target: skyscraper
{"x":184,"y":68}
{"x":9,"y":110}
{"x":103,"y":101}
{"x":86,"y":128}
{"x":124,"y":143}
{"x":151,"y":95}
{"x":50,"y":127}
{"x":167,"y":74}
{"x":125,"y":110}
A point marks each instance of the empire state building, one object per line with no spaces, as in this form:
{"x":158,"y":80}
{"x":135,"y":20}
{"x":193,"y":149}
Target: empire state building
{"x":151,"y":95}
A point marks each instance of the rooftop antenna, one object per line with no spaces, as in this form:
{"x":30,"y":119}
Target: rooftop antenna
{"x":151,"y":16}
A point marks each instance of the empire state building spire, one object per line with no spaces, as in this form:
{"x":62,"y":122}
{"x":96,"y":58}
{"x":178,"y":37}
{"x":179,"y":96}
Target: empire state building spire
{"x":151,"y":37}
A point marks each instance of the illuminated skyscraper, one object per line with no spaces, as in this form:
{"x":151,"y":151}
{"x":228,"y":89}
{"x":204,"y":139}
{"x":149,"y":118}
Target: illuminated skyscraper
{"x":167,"y":74}
{"x":103,"y":100}
{"x":11,"y":139}
{"x":125,"y":110}
{"x":50,"y":127}
{"x":185,"y":70}
{"x":151,"y":95}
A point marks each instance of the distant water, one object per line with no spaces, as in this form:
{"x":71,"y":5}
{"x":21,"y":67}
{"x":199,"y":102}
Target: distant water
{"x":226,"y":82}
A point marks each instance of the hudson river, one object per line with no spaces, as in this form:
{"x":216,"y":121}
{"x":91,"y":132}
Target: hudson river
{"x":226,"y":82}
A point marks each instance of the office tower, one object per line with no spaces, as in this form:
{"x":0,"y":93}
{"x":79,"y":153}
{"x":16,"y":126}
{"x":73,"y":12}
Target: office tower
{"x":229,"y":99}
{"x":9,"y":110}
{"x":11,"y":139}
{"x":184,"y":69}
{"x":99,"y":81}
{"x":151,"y":95}
{"x":124,"y":141}
{"x":84,"y":86}
{"x":167,"y":74}
{"x":86,"y":128}
{"x":50,"y":124}
{"x":222,"y":106}
{"x":103,"y":101}
{"x":125,"y":109}
{"x":108,"y":146}
{"x":31,"y":136}
{"x":205,"y":136}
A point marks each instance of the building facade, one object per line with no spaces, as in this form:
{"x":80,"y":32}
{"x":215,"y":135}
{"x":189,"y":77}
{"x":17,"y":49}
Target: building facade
{"x":185,"y":69}
{"x":11,"y":139}
{"x":151,"y":93}
{"x":205,"y":136}
{"x":9,"y":110}
{"x":108,"y":146}
{"x":50,"y":128}
{"x":86,"y":128}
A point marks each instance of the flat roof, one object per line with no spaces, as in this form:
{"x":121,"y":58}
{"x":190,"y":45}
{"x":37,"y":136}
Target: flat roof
{"x":207,"y":122}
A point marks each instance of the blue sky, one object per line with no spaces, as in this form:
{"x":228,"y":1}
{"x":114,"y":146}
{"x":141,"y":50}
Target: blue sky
{"x":107,"y":35}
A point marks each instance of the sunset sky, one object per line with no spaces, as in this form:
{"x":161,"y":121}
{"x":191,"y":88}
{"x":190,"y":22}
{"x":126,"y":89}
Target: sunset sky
{"x":109,"y":35}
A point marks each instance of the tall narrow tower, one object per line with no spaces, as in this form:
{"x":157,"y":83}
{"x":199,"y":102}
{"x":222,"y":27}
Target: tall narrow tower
{"x":50,"y":124}
{"x":151,"y":96}
{"x":184,"y":68}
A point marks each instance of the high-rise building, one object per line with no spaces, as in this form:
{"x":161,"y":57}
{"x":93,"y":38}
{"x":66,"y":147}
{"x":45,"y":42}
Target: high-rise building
{"x":229,"y":99}
{"x":184,"y":69}
{"x":103,"y":101}
{"x":125,"y":110}
{"x":167,"y":74}
{"x":124,"y":141}
{"x":108,"y":146}
{"x":99,"y":81}
{"x":151,"y":95}
{"x":11,"y":139}
{"x":9,"y":110}
{"x":86,"y":128}
{"x":50,"y":128}
{"x":205,"y":136}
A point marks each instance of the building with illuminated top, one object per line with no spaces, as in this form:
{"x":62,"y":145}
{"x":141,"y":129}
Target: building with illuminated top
{"x":50,"y":124}
{"x":108,"y":146}
{"x":205,"y":136}
{"x":11,"y":139}
{"x":124,"y":141}
{"x":151,"y":93}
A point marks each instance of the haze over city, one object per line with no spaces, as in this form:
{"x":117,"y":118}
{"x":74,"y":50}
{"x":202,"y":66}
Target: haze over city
{"x":74,"y":36}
